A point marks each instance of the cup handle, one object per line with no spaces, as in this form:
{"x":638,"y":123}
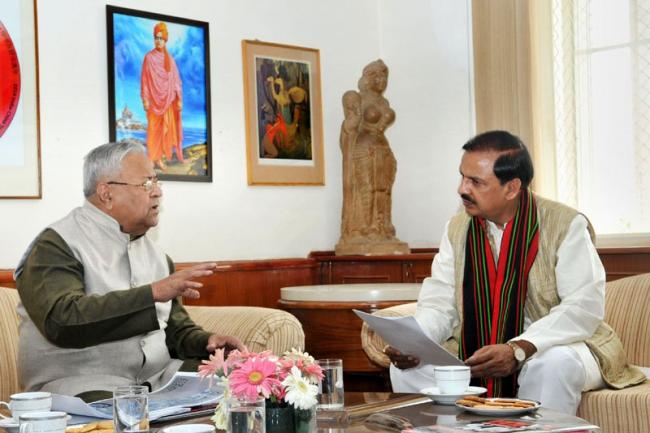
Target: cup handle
{"x":5,"y":404}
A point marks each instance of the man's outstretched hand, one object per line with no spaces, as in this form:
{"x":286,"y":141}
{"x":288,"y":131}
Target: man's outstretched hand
{"x":181,"y":283}
{"x":228,"y":342}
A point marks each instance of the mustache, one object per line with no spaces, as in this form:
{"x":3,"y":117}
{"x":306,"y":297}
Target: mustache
{"x":468,"y":198}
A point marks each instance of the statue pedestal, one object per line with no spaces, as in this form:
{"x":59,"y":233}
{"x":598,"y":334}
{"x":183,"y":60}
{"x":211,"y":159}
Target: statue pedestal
{"x":371,"y":248}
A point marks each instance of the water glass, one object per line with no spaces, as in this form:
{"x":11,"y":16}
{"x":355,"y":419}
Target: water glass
{"x":246,"y":416}
{"x":330,"y":390}
{"x":131,"y":409}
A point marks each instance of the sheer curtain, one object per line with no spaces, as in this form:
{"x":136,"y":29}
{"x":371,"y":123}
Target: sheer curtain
{"x":601,"y":86}
{"x":580,"y":78}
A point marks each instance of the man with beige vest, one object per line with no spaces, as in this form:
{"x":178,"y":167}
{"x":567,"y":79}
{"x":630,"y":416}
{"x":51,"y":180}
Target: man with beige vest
{"x":517,"y":289}
{"x":99,"y":300}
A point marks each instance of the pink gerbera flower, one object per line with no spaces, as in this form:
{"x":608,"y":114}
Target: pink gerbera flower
{"x":213,"y":365}
{"x":252,"y":378}
{"x":313,"y":373}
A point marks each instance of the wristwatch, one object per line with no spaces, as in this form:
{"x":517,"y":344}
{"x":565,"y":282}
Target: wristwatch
{"x":518,"y":351}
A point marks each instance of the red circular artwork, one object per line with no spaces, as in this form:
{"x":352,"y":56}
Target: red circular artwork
{"x":10,"y":82}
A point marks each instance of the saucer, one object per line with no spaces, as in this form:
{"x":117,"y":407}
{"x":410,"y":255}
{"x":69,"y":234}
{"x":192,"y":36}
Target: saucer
{"x":450,"y":399}
{"x":9,"y":424}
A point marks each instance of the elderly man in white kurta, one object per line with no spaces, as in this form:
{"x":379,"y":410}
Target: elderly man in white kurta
{"x":517,"y":289}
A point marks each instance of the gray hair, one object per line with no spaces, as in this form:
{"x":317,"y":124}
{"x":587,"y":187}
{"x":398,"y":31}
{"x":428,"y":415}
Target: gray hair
{"x":104,"y":161}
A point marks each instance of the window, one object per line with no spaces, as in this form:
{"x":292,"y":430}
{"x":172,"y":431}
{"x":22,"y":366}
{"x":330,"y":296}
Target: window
{"x":601,"y":92}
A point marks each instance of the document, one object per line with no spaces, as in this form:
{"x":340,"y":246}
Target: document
{"x":405,"y":334}
{"x":184,"y":391}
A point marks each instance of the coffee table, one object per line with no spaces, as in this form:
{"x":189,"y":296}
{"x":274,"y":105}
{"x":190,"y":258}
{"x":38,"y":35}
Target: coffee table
{"x":418,"y":409}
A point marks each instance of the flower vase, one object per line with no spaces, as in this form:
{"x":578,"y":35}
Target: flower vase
{"x":279,"y":419}
{"x":304,"y":420}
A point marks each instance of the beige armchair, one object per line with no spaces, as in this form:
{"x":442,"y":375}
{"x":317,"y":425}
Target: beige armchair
{"x":259,"y":328}
{"x":626,"y":310}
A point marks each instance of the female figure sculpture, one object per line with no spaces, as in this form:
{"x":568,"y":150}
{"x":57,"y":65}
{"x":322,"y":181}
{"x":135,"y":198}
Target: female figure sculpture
{"x":369,"y":168}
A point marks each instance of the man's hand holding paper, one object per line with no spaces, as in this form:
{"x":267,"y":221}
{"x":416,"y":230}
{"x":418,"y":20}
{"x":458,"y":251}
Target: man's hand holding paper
{"x":400,"y":360}
{"x":407,"y":342}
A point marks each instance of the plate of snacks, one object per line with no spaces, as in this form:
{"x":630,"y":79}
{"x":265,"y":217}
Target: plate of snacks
{"x":497,"y":406}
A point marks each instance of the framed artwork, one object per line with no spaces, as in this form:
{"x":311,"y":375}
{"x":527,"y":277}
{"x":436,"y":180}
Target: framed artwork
{"x":159,"y":90}
{"x":20,"y":151}
{"x":284,"y":118}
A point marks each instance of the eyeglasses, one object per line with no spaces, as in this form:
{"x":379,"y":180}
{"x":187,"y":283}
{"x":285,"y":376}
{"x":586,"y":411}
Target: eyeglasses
{"x":148,"y":185}
{"x":158,"y":38}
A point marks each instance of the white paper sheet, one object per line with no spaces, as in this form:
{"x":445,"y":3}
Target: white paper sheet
{"x":405,"y":334}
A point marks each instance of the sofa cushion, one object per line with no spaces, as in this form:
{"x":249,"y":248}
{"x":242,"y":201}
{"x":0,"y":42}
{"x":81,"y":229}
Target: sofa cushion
{"x":259,"y":328}
{"x":618,"y":411}
{"x":9,"y":341}
{"x":626,"y":310}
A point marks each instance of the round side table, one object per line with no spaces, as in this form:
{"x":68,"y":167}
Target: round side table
{"x":332,"y":330}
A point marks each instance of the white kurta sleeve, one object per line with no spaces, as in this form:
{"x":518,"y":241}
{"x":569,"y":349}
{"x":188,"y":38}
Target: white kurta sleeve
{"x":436,"y":311}
{"x":580,"y":279}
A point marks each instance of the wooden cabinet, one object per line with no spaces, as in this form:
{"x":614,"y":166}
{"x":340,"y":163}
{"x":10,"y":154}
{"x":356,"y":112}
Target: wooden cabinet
{"x":405,"y":268}
{"x":252,"y":282}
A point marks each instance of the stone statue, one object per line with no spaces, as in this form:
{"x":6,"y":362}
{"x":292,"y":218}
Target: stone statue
{"x":369,"y":168}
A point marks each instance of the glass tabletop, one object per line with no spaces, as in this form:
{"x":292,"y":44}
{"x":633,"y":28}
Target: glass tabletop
{"x":367,"y":412}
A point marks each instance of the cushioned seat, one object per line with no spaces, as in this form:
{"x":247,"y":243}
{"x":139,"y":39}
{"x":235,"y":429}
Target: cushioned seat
{"x":259,"y":328}
{"x":9,"y":343}
{"x":626,"y":310}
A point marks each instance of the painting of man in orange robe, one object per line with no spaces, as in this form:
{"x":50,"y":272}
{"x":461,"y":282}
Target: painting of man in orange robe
{"x":162,"y":100}
{"x":159,"y":90}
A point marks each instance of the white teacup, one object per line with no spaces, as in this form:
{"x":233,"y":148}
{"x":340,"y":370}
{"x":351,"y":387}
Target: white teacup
{"x":24,"y":402}
{"x":43,"y":422}
{"x":452,"y":379}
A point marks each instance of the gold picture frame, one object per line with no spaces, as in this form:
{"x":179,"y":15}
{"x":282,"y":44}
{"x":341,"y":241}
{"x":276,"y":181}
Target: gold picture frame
{"x":20,"y":149}
{"x":284,"y":116}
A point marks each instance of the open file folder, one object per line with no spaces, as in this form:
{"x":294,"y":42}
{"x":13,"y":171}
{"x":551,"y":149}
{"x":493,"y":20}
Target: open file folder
{"x":406,"y":335}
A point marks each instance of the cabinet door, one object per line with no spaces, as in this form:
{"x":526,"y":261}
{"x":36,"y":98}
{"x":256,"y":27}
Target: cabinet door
{"x":356,"y":272}
{"x":415,"y":271}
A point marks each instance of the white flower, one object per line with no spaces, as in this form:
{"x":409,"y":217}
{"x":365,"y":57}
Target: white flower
{"x":296,"y":355}
{"x":300,"y":393}
{"x":219,"y":418}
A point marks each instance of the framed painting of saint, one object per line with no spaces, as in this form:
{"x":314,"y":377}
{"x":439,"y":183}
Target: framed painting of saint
{"x":159,"y":90}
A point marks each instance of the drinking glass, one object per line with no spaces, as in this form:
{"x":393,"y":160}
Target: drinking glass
{"x":330,"y":390}
{"x":131,"y":409}
{"x":246,"y":416}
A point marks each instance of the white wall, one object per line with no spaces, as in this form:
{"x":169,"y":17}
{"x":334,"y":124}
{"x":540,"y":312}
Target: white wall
{"x":424,"y":42}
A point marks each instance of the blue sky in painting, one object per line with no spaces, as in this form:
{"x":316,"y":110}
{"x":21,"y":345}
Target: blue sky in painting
{"x":133,"y":38}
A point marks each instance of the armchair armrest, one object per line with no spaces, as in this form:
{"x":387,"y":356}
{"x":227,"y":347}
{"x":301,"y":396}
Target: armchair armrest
{"x":258,"y":328}
{"x":372,"y":343}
